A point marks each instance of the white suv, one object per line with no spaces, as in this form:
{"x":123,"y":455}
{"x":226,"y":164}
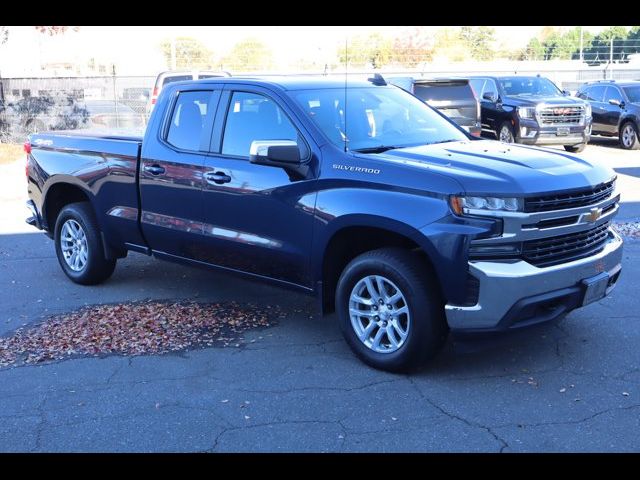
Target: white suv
{"x":167,"y":77}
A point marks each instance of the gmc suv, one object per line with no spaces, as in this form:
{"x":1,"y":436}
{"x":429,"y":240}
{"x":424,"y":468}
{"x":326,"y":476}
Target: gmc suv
{"x":532,"y":111}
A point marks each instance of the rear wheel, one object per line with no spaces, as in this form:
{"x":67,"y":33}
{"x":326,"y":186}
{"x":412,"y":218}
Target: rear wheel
{"x":79,"y":246}
{"x":505,"y":134}
{"x":575,"y":148}
{"x":390,"y":310}
{"x":629,"y":136}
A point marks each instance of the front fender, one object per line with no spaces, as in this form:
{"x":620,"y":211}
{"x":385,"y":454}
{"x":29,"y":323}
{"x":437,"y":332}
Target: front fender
{"x":424,"y":219}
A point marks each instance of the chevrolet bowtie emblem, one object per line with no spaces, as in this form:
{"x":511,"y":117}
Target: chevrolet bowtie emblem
{"x":593,"y":215}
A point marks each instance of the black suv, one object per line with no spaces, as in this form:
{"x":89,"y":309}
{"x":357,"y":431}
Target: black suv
{"x":533,"y":111}
{"x":616,"y":109}
{"x":454,"y":97}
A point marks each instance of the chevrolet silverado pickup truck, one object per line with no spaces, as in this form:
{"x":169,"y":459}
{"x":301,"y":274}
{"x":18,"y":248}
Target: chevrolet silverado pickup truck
{"x":396,"y":218}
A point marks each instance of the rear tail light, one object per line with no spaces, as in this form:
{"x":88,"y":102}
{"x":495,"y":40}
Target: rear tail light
{"x":27,"y":150}
{"x":154,"y":96}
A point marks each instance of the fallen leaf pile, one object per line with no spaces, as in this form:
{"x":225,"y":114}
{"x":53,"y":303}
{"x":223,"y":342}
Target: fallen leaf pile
{"x":628,"y":229}
{"x":134,"y":329}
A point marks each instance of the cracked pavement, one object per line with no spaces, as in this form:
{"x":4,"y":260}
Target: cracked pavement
{"x":568,"y":386}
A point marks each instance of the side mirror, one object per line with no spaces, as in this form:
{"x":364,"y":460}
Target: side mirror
{"x":276,"y":153}
{"x":613,"y":101}
{"x":566,"y":93}
{"x":490,"y":96}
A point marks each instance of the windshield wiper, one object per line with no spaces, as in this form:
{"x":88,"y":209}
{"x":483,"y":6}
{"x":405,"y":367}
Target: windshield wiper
{"x":444,"y":141}
{"x":378,"y":149}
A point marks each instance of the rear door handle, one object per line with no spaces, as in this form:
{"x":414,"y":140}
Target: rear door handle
{"x":154,"y":169}
{"x":217,"y":177}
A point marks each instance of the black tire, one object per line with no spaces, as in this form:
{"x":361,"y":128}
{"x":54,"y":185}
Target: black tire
{"x":428,"y":329}
{"x":505,"y":133}
{"x":628,"y":136}
{"x":575,"y":148}
{"x":96,"y":269}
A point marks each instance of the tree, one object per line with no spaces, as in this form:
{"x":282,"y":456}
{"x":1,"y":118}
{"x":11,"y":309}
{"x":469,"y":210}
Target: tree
{"x":189,"y":52}
{"x":249,"y":54}
{"x":372,"y":50}
{"x":535,"y":50}
{"x":600,"y":49}
{"x":480,"y":41}
{"x":451,"y":45}
{"x":51,"y":31}
{"x":411,"y":47}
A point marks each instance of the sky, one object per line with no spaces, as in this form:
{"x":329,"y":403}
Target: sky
{"x":136,"y":49}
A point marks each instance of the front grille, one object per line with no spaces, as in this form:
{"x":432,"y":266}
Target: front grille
{"x":559,"y":115}
{"x":569,"y":200}
{"x":565,"y":248}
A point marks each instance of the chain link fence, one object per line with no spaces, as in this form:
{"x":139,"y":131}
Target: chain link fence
{"x":29,"y":105}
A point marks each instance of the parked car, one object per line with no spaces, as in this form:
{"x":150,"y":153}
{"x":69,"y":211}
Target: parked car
{"x":616,"y":110}
{"x":532,"y":111}
{"x":363,"y":195}
{"x":452,"y":96}
{"x":110,"y":114}
{"x":165,"y":78}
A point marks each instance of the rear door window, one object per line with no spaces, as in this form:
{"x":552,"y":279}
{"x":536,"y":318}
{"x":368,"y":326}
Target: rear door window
{"x":191,"y":121}
{"x":176,"y":78}
{"x":443,"y":91}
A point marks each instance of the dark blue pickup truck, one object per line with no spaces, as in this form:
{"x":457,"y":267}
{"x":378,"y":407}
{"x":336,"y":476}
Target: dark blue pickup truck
{"x":392,"y":215}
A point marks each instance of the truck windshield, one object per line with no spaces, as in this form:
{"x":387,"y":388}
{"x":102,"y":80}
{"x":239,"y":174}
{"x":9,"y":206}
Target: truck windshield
{"x":377,"y":118}
{"x":534,"y":86}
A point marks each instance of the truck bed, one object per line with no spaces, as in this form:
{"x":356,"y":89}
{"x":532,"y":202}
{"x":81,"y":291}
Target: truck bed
{"x":116,"y":142}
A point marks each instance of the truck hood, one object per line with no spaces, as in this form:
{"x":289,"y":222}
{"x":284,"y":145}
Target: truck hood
{"x":495,"y":168}
{"x":532,"y":101}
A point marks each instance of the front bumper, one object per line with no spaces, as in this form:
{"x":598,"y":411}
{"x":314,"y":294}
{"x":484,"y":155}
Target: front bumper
{"x":516,"y":294}
{"x":529,"y":132}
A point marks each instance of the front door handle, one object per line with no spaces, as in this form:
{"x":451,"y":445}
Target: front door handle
{"x":217,"y":177}
{"x":154,"y":169}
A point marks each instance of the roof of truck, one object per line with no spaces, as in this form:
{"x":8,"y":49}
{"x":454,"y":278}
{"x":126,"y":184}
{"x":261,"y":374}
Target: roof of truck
{"x":297,"y":82}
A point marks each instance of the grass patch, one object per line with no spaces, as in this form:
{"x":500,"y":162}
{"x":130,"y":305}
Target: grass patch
{"x":10,"y":152}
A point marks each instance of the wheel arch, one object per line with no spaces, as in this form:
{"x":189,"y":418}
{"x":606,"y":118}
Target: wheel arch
{"x":358,"y":234}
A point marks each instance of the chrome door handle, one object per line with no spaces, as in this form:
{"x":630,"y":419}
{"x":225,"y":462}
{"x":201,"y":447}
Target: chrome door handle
{"x":217,"y":177}
{"x":154,"y":169}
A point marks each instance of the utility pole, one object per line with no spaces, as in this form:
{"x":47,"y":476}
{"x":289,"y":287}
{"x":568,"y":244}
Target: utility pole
{"x":611,"y":58}
{"x":581,"y":45}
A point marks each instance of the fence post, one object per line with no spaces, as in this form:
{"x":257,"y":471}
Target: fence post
{"x":115,"y":96}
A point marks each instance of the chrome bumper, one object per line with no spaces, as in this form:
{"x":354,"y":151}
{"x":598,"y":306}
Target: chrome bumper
{"x":502,"y":285}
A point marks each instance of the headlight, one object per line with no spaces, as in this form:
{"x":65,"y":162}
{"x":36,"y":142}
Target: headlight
{"x":587,"y":110}
{"x":526,"y":112}
{"x":461,"y":205}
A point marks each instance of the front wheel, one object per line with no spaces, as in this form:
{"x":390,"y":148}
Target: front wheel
{"x":629,"y":137}
{"x":79,"y":246}
{"x":505,"y":134}
{"x":575,"y":148}
{"x":390,"y":309}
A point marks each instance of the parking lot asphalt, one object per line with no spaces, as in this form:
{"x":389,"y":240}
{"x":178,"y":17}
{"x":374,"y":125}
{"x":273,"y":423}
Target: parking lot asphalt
{"x":568,"y":386}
